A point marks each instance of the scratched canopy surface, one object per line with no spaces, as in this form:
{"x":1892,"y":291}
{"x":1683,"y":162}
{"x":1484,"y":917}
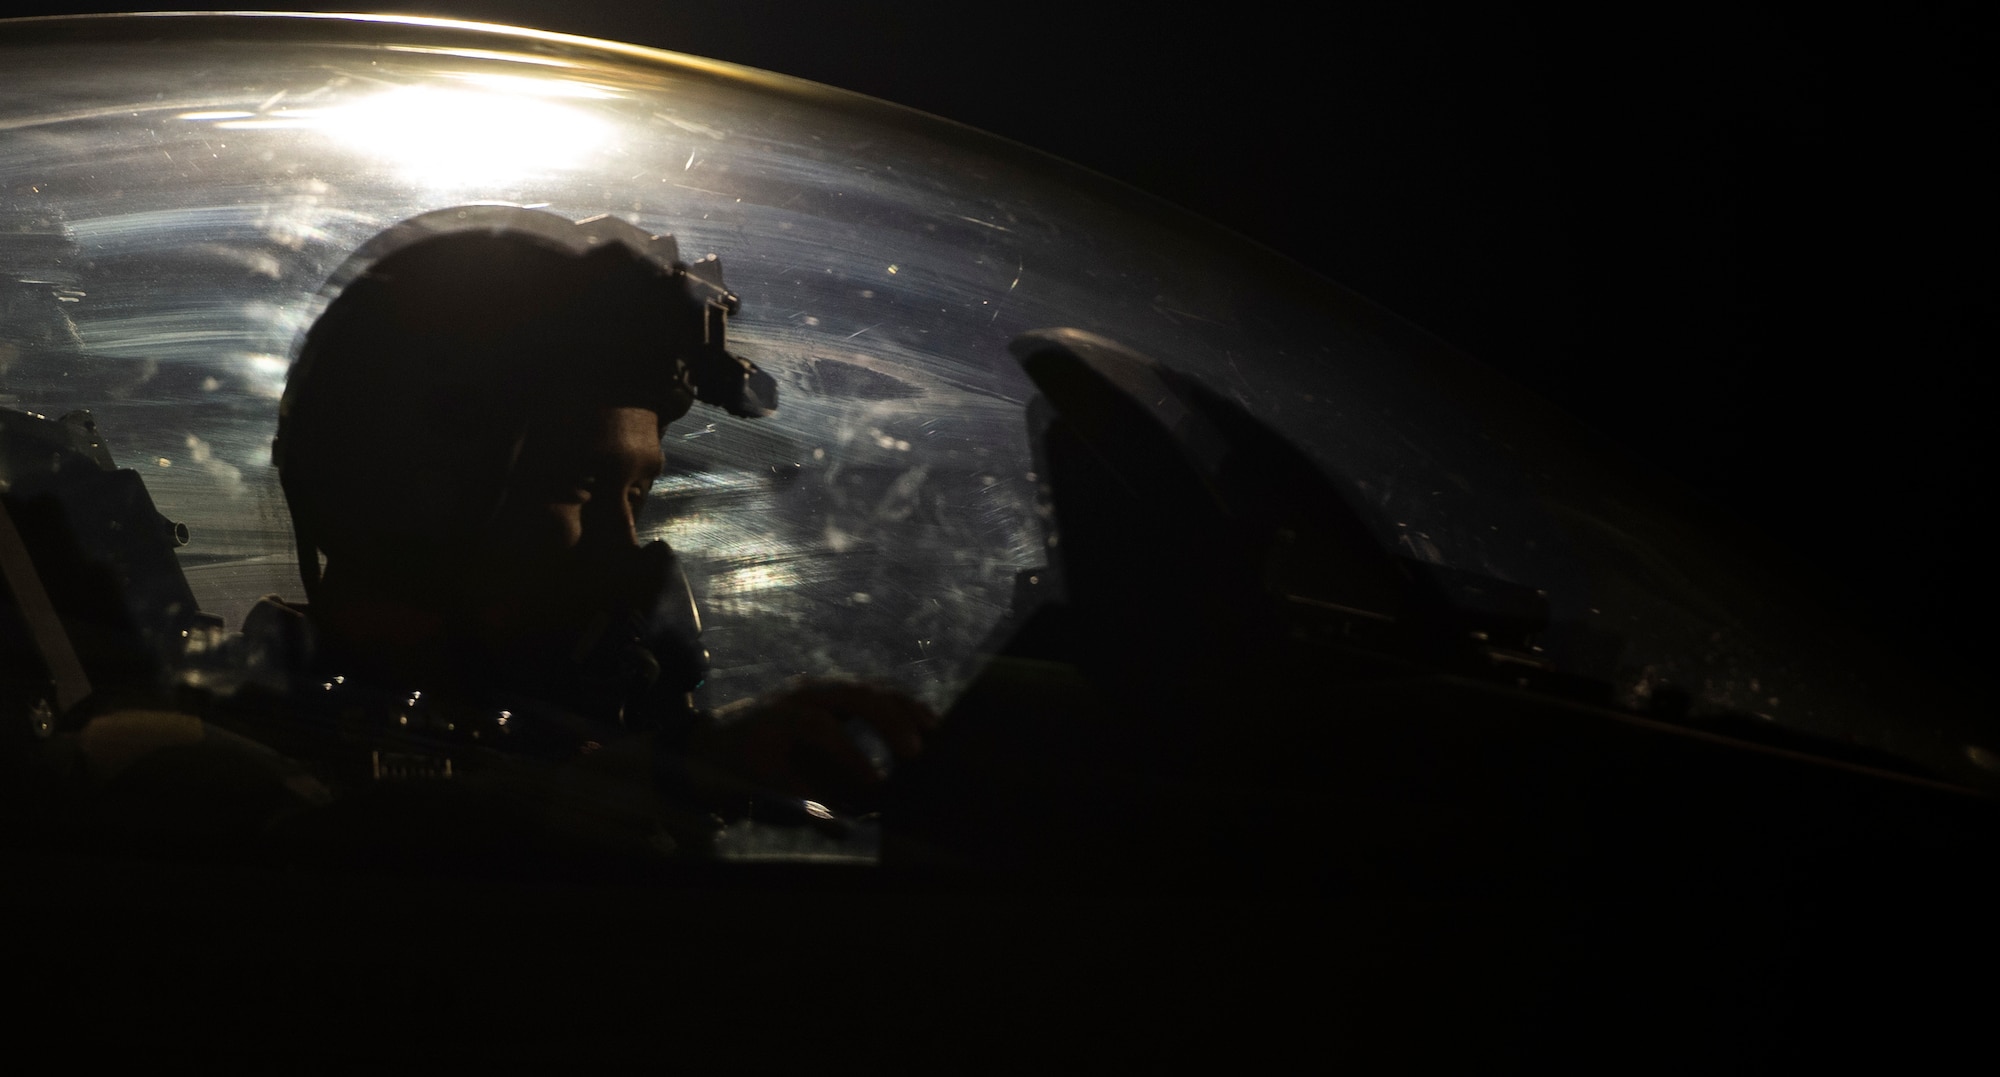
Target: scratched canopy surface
{"x":175,"y":192}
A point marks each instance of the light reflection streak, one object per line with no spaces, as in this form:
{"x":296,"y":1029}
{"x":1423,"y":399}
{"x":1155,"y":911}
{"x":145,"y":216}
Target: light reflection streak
{"x":759,"y":577}
{"x":469,"y":128}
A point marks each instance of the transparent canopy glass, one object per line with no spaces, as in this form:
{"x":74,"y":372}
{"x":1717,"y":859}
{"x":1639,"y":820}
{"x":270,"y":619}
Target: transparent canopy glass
{"x":175,"y":193}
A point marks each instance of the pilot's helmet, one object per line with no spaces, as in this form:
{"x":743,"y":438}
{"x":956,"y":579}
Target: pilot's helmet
{"x":448,"y":336}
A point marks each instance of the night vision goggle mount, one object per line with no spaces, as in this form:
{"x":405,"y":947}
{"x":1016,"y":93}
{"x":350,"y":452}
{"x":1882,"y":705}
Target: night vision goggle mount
{"x":727,"y":381}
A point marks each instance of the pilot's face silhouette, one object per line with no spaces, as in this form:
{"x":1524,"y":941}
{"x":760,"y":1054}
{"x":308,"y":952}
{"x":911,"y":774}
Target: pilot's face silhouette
{"x":556,"y":554}
{"x":580,"y":481}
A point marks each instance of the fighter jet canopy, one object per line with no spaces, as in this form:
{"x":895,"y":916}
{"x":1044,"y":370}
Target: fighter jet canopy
{"x":179,"y":196}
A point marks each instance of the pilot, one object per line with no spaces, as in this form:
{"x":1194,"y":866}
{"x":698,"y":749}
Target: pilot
{"x":466,"y":443}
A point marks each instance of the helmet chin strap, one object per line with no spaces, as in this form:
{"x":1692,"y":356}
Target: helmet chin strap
{"x":309,"y":573}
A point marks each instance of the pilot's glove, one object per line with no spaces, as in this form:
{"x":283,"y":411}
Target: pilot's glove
{"x":825,"y":740}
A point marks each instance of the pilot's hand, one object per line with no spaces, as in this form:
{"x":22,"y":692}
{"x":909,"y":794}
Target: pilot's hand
{"x":807,"y":740}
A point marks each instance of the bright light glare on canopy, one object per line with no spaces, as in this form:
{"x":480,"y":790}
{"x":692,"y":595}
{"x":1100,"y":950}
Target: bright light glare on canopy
{"x":446,"y":137}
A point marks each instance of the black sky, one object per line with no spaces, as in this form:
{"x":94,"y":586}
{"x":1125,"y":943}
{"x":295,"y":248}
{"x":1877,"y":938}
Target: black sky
{"x":1749,"y":247}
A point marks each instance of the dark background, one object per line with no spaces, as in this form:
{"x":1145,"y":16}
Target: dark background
{"x":1750,"y":247}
